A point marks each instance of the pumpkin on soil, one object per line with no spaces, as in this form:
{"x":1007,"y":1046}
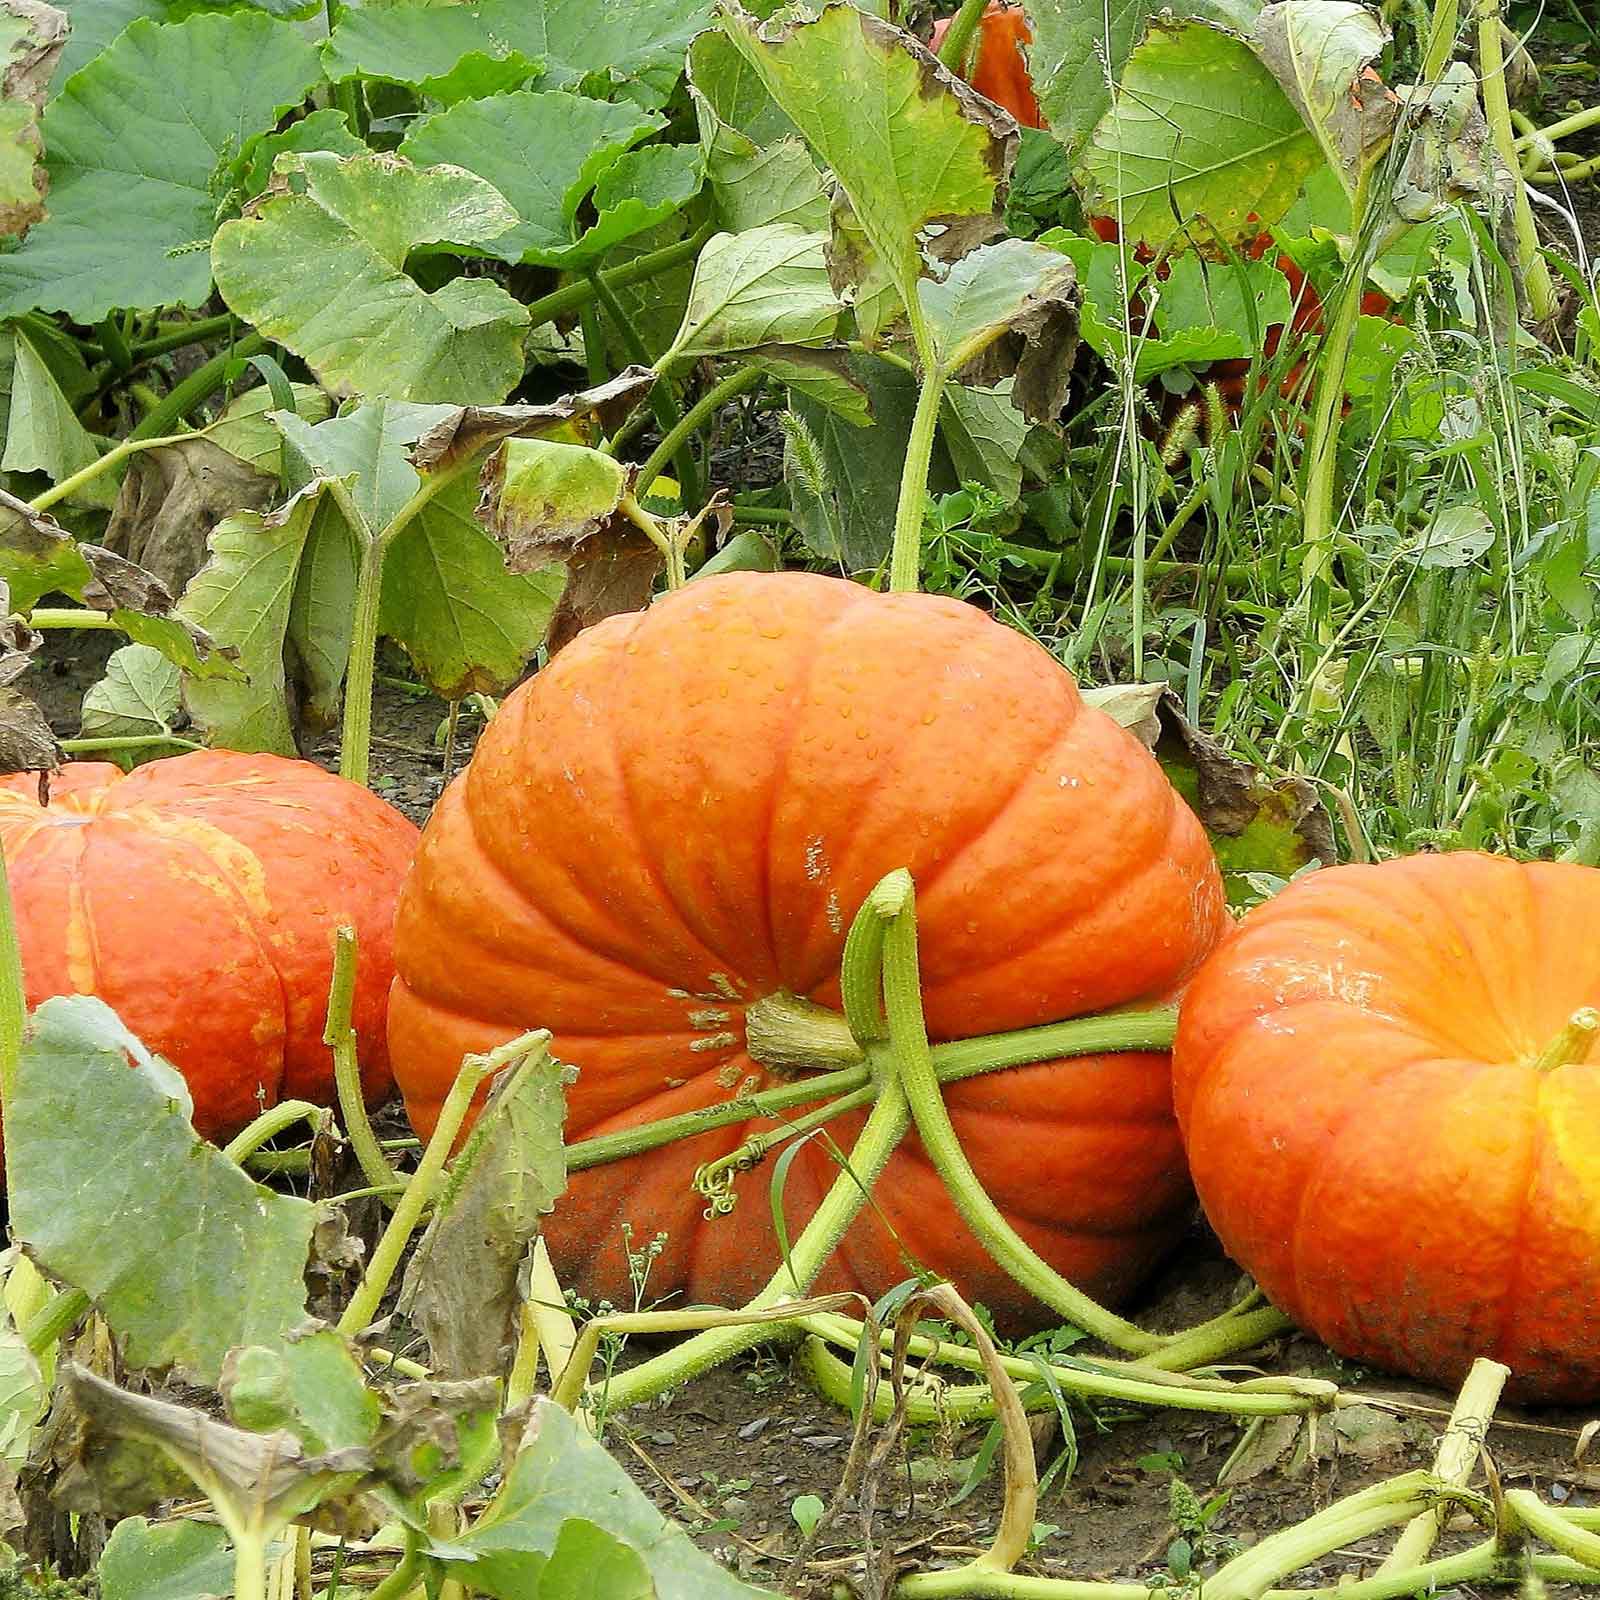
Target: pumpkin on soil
{"x":1390,"y":1120}
{"x":199,"y":896}
{"x":682,"y":813}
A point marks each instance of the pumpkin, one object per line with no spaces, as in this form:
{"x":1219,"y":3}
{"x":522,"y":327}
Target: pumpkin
{"x":1390,"y":1119}
{"x":681,"y":814}
{"x":198,"y":896}
{"x":999,"y":68}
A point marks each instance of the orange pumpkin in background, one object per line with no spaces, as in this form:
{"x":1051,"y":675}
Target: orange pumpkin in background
{"x":681,"y":814}
{"x":198,"y":897}
{"x":1392,"y":1120}
{"x":999,"y":68}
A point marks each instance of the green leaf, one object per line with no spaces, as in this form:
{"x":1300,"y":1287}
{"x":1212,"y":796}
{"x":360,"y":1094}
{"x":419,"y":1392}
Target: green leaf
{"x":327,"y":129}
{"x":24,"y":1394}
{"x":1199,"y":129}
{"x":321,"y":273}
{"x":1456,"y":537}
{"x":133,"y":142}
{"x":822,"y":376}
{"x":468,"y":625}
{"x":243,"y":596}
{"x":248,"y":431}
{"x":547,"y":153}
{"x":164,"y":1561}
{"x":562,"y":1476}
{"x":139,"y":697}
{"x":310,"y":1385}
{"x":43,"y":433}
{"x":986,"y":292}
{"x":202,"y":1258}
{"x":542,"y":496}
{"x":1077,"y":43}
{"x":909,"y":143}
{"x":1322,"y":52}
{"x":462,"y":1284}
{"x":32,"y":37}
{"x":368,"y":447}
{"x":587,"y":1561}
{"x":634,"y":50}
{"x":756,"y":163}
{"x":767,"y":286}
{"x":985,"y":434}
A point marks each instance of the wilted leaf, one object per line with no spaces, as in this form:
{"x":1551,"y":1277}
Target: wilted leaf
{"x":38,"y":557}
{"x":1257,"y":824}
{"x":1322,"y":54}
{"x":164,"y":1561}
{"x":1199,"y":129}
{"x":172,"y":498}
{"x":27,"y":743}
{"x":466,"y":430}
{"x":462,"y":1285}
{"x":132,"y":142}
{"x":139,"y":697}
{"x":321,"y":272}
{"x":605,"y":577}
{"x":310,"y":1385}
{"x":32,"y":37}
{"x":134,"y":1451}
{"x":202,"y":1259}
{"x":562,"y":1476}
{"x":633,"y":48}
{"x":767,"y":286}
{"x":1273,"y":1440}
{"x":435,"y":1439}
{"x":541,"y":498}
{"x":549,"y":154}
{"x":916,"y":150}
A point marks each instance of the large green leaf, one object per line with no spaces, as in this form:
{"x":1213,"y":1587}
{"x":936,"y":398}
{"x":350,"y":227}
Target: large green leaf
{"x":633,"y":48}
{"x":1200,"y":129}
{"x":133,"y":143}
{"x":321,"y":272}
{"x":547,"y":153}
{"x":910,"y":144}
{"x":563,"y":1477}
{"x":756,"y":163}
{"x":767,"y":286}
{"x":42,"y":432}
{"x":164,"y":1561}
{"x":201,"y":1259}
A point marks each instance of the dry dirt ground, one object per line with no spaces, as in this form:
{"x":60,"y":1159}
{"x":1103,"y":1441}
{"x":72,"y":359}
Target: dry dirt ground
{"x":731,"y":1453}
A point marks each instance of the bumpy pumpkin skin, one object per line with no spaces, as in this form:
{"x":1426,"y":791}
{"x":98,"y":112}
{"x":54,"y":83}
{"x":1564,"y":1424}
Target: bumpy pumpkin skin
{"x":682,"y":813}
{"x":198,"y":896}
{"x":1367,"y":1132}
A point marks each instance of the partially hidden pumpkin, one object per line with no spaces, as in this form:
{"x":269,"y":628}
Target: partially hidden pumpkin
{"x":199,"y":896}
{"x":1392,"y":1123}
{"x":999,"y":68}
{"x":681,"y":814}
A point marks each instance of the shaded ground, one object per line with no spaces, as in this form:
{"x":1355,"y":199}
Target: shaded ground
{"x":731,"y":1453}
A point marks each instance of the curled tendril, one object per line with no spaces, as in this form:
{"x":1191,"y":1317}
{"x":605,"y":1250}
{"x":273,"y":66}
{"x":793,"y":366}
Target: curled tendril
{"x":715,"y":1179}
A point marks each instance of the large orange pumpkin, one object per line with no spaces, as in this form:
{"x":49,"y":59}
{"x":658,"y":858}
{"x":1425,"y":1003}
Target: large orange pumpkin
{"x":681,"y":814}
{"x":1380,"y":1129}
{"x":198,"y":897}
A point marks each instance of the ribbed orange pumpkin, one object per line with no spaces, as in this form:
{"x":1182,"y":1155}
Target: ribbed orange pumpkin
{"x":198,"y":897}
{"x":682,"y":813}
{"x":1379,"y":1129}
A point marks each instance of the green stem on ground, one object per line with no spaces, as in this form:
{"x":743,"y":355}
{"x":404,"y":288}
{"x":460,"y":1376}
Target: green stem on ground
{"x":179,"y":336}
{"x":689,"y":424}
{"x":269,"y":1125}
{"x":132,"y":741}
{"x":958,"y":39}
{"x":340,"y":1037}
{"x":573,"y":296}
{"x":403,"y":1579}
{"x":74,"y":481}
{"x":363,"y":1306}
{"x":1578,"y":122}
{"x":1497,"y":109}
{"x":1578,"y":1544}
{"x":1458,"y":1453}
{"x":1581,"y":172}
{"x":196,"y":389}
{"x":913,"y":1062}
{"x":905,"y":552}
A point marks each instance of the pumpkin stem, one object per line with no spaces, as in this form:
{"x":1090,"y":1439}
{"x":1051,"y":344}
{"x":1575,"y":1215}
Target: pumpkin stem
{"x":792,"y":1035}
{"x":1573,"y":1044}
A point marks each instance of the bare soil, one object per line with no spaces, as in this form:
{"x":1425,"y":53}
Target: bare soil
{"x":730,"y":1454}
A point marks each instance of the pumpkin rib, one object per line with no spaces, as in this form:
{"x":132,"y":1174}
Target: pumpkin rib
{"x":1512,"y":1295}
